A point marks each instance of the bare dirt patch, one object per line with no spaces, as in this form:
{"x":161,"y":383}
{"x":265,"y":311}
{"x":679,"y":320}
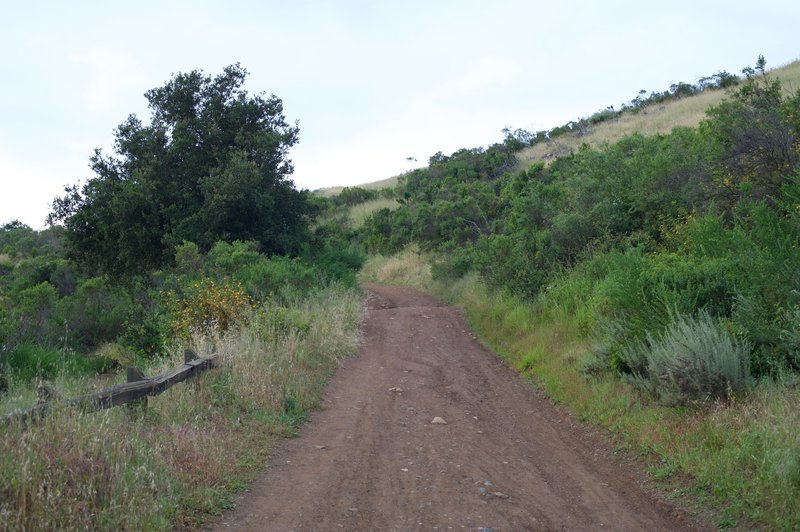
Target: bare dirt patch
{"x":504,"y":458}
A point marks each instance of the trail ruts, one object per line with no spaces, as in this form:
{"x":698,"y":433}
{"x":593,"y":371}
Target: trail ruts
{"x":507,"y":459}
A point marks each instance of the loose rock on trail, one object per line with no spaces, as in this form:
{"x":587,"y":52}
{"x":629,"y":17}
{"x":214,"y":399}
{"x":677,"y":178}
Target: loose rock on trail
{"x":502,"y":457}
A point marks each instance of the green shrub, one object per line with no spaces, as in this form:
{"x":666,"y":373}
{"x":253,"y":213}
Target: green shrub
{"x":387,"y":231}
{"x":227,"y":259}
{"x":790,"y":337}
{"x":6,"y":266}
{"x":354,"y":195}
{"x":34,"y":310}
{"x":5,"y":324}
{"x":267,"y":277}
{"x":188,"y":260}
{"x":453,"y":263}
{"x":145,"y":334}
{"x":339,"y":264}
{"x":96,"y":313}
{"x":694,"y":360}
{"x":762,"y":255}
{"x":117,"y":353}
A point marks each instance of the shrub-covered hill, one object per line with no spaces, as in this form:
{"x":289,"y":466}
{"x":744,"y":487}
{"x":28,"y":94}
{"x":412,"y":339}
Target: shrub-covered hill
{"x":649,"y":118}
{"x":200,"y":193}
{"x":699,"y":219}
{"x":649,"y":280}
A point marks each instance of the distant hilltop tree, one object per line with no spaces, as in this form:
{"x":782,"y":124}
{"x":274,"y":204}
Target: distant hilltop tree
{"x":212,"y":165}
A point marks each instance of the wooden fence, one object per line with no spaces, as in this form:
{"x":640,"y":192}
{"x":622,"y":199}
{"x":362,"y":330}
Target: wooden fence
{"x":134,"y":392}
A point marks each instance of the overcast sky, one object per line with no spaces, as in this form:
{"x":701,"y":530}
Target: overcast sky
{"x":371,"y":82}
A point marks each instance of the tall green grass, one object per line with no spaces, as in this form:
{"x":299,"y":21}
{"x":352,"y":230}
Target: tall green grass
{"x":28,"y":361}
{"x":198,"y":443}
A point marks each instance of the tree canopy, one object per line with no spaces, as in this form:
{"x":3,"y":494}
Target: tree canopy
{"x":212,"y":165}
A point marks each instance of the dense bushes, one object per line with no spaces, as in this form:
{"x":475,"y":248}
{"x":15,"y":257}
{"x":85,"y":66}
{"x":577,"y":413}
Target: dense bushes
{"x":451,"y":201}
{"x":215,"y":169}
{"x":52,"y":310}
{"x":692,"y":236}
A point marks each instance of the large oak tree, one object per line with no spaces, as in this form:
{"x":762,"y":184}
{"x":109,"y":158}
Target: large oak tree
{"x":211,"y":165}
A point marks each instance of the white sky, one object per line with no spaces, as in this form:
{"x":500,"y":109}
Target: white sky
{"x":371,"y":82}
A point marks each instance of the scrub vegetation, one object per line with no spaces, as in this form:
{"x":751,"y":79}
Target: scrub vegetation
{"x":649,"y":283}
{"x":640,"y":266}
{"x":190,"y":235}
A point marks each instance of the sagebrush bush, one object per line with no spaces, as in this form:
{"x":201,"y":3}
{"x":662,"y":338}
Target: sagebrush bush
{"x":694,"y":360}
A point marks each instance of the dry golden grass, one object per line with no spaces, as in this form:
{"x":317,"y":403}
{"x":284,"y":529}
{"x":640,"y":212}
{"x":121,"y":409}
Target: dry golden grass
{"x":389,"y":182}
{"x":686,"y":112}
{"x":407,"y":268}
{"x":175,"y":464}
{"x":359,"y":213}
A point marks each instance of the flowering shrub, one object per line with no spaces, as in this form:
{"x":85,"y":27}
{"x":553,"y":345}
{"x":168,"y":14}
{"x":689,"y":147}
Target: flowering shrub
{"x":208,"y":304}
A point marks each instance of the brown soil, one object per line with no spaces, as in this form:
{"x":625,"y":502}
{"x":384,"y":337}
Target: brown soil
{"x":507,"y":459}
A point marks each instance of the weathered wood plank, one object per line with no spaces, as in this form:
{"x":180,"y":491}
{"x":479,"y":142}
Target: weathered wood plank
{"x":124,"y":393}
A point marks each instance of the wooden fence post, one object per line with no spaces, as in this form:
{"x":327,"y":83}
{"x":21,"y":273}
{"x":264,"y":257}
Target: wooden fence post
{"x":133,"y":393}
{"x":45,"y":394}
{"x":138,"y":407}
{"x":188,"y":356}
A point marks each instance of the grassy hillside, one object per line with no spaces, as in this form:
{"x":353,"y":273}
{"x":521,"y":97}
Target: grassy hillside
{"x":686,"y":112}
{"x":374,"y":185}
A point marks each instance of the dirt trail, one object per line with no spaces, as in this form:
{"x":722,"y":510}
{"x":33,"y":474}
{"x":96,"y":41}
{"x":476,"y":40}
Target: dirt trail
{"x":507,"y":459}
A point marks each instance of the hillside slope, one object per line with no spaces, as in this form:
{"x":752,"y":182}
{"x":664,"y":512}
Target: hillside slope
{"x":663,"y":118}
{"x":653,"y":119}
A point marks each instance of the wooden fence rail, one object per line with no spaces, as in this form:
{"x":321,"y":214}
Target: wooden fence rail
{"x":136,"y":390}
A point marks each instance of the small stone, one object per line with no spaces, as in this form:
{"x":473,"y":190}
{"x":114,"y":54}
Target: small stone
{"x":396,"y":389}
{"x":499,"y":495}
{"x":404,"y":470}
{"x":320,"y":447}
{"x":439,"y":421}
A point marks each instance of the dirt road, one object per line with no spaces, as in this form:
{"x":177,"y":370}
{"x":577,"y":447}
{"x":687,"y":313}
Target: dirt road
{"x":506,"y":459}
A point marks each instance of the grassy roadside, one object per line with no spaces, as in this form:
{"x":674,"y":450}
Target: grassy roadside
{"x":743,"y":458}
{"x":197,"y":444}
